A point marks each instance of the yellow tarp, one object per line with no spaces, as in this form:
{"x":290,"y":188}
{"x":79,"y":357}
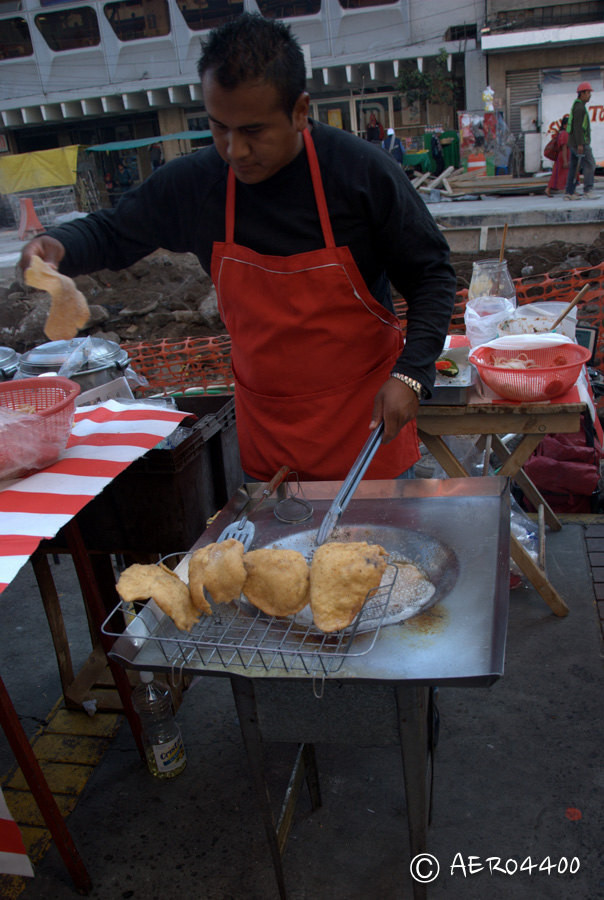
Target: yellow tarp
{"x":44,"y":168}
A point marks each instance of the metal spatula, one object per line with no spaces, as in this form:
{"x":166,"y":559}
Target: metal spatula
{"x":349,"y":486}
{"x":242,"y":529}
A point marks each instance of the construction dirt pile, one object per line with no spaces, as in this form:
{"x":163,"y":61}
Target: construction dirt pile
{"x":168,"y":295}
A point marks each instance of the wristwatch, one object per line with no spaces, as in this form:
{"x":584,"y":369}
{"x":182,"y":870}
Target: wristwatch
{"x":410,"y":382}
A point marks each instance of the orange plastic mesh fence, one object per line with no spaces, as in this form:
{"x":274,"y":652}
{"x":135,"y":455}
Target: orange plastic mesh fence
{"x":547,"y":287}
{"x":205,"y":362}
{"x":173,"y":366}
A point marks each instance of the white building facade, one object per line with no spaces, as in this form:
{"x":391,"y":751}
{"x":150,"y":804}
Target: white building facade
{"x":89,"y":71}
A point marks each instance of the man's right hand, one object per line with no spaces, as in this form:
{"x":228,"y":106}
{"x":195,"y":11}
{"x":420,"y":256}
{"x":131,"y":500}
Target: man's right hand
{"x":44,"y":246}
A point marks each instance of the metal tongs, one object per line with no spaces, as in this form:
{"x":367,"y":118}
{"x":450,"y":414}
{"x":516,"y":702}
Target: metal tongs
{"x":351,"y":483}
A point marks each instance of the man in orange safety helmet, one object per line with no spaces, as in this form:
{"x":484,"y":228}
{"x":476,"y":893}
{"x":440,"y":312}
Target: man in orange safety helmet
{"x":579,"y":140}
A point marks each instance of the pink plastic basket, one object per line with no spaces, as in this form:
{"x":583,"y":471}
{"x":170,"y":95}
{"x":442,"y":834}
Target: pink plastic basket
{"x":36,"y":435}
{"x":553,"y":371}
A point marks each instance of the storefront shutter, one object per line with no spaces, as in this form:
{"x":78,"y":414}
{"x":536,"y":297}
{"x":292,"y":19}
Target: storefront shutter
{"x":521,"y":87}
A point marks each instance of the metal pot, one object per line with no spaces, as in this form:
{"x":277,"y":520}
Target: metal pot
{"x":95,"y":360}
{"x":9,"y":363}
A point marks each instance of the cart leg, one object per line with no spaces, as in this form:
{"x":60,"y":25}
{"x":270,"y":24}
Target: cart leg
{"x":312,"y":775}
{"x":413,"y":706}
{"x":38,"y":785}
{"x":245,"y":701}
{"x":305,"y":769}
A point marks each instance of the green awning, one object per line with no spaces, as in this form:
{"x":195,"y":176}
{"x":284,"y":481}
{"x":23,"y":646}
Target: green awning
{"x":144,"y":142}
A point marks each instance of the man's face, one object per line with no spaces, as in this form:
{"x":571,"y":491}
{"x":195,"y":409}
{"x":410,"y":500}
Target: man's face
{"x":585,"y":96}
{"x":251,"y":131}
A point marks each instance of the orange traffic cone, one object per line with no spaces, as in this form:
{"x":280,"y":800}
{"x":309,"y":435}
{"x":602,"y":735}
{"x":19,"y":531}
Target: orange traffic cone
{"x":29,"y":223}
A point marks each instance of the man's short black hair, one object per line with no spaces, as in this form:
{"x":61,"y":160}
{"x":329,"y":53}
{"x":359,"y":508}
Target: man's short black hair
{"x":251,"y":48}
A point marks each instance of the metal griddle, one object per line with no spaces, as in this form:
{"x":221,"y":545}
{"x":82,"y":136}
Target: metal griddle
{"x":456,"y":530}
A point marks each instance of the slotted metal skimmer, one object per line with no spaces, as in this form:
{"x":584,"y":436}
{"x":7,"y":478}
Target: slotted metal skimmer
{"x":242,"y":529}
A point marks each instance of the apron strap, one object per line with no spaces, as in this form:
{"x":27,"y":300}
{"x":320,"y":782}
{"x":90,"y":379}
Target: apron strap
{"x":317,"y":183}
{"x":229,"y":225}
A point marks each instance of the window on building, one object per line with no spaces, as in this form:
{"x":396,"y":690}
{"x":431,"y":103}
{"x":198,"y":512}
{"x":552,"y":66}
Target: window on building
{"x":335,"y":113}
{"x":69,"y":29}
{"x":14,"y":39}
{"x":461,"y":33}
{"x":547,"y":16}
{"x":359,"y":4}
{"x":281,"y":9}
{"x":138,"y":19}
{"x":199,"y":122}
{"x":202,"y":14}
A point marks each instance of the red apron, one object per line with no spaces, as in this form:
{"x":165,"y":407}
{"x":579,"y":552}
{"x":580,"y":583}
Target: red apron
{"x":310,"y":349}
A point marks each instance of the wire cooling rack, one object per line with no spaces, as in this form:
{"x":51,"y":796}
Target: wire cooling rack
{"x":238,"y":635}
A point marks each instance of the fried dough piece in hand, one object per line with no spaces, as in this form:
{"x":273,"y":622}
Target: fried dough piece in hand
{"x":341,"y":576}
{"x":277,"y":581}
{"x":139,"y":582}
{"x":219,"y":568}
{"x":68,"y":309}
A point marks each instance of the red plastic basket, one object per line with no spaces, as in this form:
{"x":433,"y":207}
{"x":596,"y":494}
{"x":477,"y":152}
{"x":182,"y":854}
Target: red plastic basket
{"x":35,"y":441}
{"x":554,"y":369}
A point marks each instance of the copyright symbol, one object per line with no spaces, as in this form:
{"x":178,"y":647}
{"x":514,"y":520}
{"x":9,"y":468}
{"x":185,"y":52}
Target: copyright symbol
{"x":424,"y":868}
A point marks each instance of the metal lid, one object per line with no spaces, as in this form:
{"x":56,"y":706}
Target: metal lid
{"x":9,"y":359}
{"x":98,"y":353}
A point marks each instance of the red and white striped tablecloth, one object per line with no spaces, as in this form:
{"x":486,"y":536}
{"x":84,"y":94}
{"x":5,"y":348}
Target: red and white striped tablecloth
{"x":13,"y":856}
{"x":104,"y":440}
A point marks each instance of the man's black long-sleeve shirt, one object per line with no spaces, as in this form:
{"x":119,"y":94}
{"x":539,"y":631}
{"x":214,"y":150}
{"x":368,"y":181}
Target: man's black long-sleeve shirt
{"x":373,"y":208}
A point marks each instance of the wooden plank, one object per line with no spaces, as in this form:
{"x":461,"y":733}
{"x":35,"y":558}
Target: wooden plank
{"x":420,"y":179}
{"x":439,"y":178}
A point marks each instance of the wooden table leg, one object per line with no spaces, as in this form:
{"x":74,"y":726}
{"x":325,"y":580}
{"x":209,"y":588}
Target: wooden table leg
{"x":52,"y":608}
{"x":42,"y":794}
{"x":412,"y":704}
{"x":511,"y":468}
{"x":245,"y":701}
{"x":96,"y":608}
{"x":454,"y":469}
{"x":537,"y":578}
{"x":443,"y":455}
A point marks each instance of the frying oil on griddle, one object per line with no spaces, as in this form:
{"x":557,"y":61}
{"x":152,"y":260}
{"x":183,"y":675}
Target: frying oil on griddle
{"x":410,"y":590}
{"x":431,"y":621}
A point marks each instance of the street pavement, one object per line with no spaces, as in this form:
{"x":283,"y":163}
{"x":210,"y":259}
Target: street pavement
{"x":518,"y":777}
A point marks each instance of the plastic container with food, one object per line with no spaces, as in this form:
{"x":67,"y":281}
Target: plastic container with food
{"x":537,"y":318}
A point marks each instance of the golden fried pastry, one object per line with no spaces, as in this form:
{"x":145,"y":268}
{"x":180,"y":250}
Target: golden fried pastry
{"x":341,"y":577}
{"x":139,"y":582}
{"x":277,"y":581}
{"x":68,"y":309}
{"x":219,"y":568}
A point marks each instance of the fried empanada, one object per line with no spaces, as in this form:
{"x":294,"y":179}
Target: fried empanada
{"x":277,"y":581}
{"x":219,"y":568}
{"x":68,"y":309}
{"x":341,"y":577}
{"x":139,"y":582}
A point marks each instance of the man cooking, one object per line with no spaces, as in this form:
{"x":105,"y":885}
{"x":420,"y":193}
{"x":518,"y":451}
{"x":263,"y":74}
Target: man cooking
{"x":303,"y":227}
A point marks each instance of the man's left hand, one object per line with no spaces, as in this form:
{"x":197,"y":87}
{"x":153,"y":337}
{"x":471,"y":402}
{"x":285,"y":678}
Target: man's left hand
{"x":396,"y":403}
